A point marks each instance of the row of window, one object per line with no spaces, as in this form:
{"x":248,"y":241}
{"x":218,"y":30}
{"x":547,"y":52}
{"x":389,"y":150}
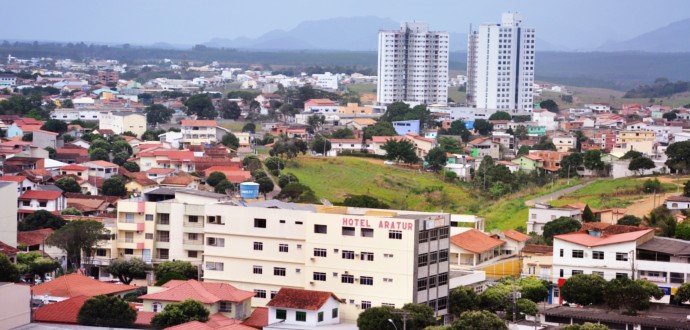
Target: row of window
{"x":599,"y":255}
{"x":432,"y":281}
{"x":281,"y":314}
{"x":431,"y":258}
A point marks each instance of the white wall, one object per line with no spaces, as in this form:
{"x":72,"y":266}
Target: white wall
{"x":8,"y":213}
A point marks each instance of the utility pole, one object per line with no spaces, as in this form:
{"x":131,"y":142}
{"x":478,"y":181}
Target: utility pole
{"x":405,"y":315}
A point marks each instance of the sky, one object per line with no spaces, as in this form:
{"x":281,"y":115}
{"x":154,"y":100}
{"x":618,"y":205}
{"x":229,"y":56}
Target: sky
{"x":575,"y":24}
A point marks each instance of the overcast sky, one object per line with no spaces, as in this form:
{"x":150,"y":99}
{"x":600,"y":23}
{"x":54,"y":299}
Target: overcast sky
{"x":576,"y":24}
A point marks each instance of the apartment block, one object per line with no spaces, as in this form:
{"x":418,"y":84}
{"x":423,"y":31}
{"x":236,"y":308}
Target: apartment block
{"x":198,"y":132}
{"x":122,"y":121}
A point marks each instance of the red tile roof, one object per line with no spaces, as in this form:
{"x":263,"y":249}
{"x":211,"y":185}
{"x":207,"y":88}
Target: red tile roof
{"x":46,"y":132}
{"x":515,"y":235}
{"x":74,"y":167}
{"x":258,"y":319}
{"x":33,"y":237}
{"x":7,"y":250}
{"x":540,"y":249}
{"x":205,"y":123}
{"x":204,"y":292}
{"x":588,"y":240}
{"x":475,"y":241}
{"x":65,"y":311}
{"x":15,"y":178}
{"x":159,"y":171}
{"x":300,"y":299}
{"x":101,"y":163}
{"x":41,"y":195}
{"x":144,"y":318}
{"x":177,"y":180}
{"x":73,"y":285}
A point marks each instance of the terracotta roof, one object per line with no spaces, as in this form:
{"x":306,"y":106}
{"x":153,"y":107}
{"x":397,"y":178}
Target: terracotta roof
{"x":678,"y":199}
{"x":72,"y":285}
{"x":258,"y":319}
{"x":15,"y":178}
{"x":144,"y":318}
{"x":205,"y":292}
{"x":479,"y":140}
{"x":33,"y":237}
{"x":206,"y":123}
{"x":7,"y":250}
{"x":65,"y":311}
{"x":96,"y":181}
{"x":475,"y":241}
{"x":383,"y":139}
{"x":177,"y":180}
{"x":74,"y":167}
{"x":40,"y":195}
{"x":300,"y":299}
{"x":515,"y":235}
{"x":196,"y":325}
{"x":159,"y":171}
{"x":101,"y":163}
{"x":534,"y":248}
{"x":588,"y":240}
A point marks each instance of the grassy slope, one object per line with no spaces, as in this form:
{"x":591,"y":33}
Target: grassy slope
{"x":335,"y":179}
{"x":609,"y":193}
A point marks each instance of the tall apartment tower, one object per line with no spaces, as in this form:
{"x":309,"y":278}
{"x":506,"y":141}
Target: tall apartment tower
{"x":412,"y":65}
{"x":500,"y":66}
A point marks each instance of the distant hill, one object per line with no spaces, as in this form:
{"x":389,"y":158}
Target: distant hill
{"x":673,"y":38}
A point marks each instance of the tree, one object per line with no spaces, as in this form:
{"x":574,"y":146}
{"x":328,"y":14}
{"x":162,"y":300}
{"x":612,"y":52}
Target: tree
{"x":201,"y":106}
{"x":478,"y":320}
{"x":183,"y":268}
{"x":678,"y":156}
{"x":315,"y":122}
{"x":129,"y":133}
{"x":526,"y":307}
{"x":629,"y":220}
{"x":42,"y":265}
{"x":51,"y":152}
{"x":450,"y":145}
{"x":421,"y":316}
{"x":549,"y":105}
{"x":70,"y":211}
{"x":588,"y":215}
{"x":631,"y":295}
{"x":120,"y":158}
{"x":274,"y":163}
{"x":436,"y":158}
{"x":652,"y":186}
{"x":265,"y":185}
{"x":343,"y":133}
{"x":321,"y":145}
{"x":215,"y":177}
{"x":534,"y":289}
{"x":158,"y":114}
{"x":289,"y":148}
{"x":285,"y":178}
{"x":9,"y":272}
{"x":67,"y":103}
{"x":640,"y":164}
{"x":683,"y":231}
{"x":592,"y":160}
{"x":249,"y":128}
{"x":584,"y":289}
{"x":500,"y":115}
{"x":99,"y":154}
{"x":127,"y":269}
{"x":107,"y":311}
{"x":524,"y":150}
{"x":663,"y":220}
{"x":115,"y":186}
{"x":229,"y":109}
{"x":122,"y":146}
{"x":586,"y":326}
{"x":251,"y":163}
{"x":169,"y":277}
{"x":569,"y":165}
{"x":376,"y":318}
{"x":178,"y":313}
{"x":230,"y":140}
{"x":669,"y":116}
{"x":223,"y":186}
{"x":296,"y":192}
{"x":462,"y":299}
{"x":682,"y":295}
{"x":381,"y":128}
{"x":494,"y":298}
{"x":631,"y":154}
{"x":131,"y":166}
{"x":562,"y":225}
{"x":483,"y":127}
{"x":55,"y":126}
{"x":402,"y":150}
{"x":364,"y":201}
{"x":41,"y":219}
{"x":68,"y":184}
{"x":77,"y":237}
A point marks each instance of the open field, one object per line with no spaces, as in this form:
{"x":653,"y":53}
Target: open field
{"x":361,"y":88}
{"x":611,"y":193}
{"x":455,"y":95}
{"x":583,"y":95}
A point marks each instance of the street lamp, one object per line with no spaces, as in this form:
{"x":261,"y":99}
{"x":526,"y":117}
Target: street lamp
{"x":393,"y":323}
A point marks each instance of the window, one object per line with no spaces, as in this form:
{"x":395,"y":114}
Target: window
{"x":129,"y":251}
{"x":319,"y":252}
{"x":367,"y":232}
{"x":443,"y":232}
{"x":258,"y":246}
{"x":366,"y":304}
{"x":26,"y":203}
{"x":278,"y":271}
{"x":282,"y":248}
{"x":320,"y":316}
{"x":423,"y":236}
{"x":598,"y":255}
{"x":347,"y":279}
{"x":320,"y":229}
{"x":192,"y":236}
{"x":258,"y":270}
{"x":148,"y":236}
{"x":561,"y":253}
{"x":298,"y":222}
{"x":193,"y":218}
{"x":387,"y":280}
{"x":149,"y":217}
{"x":620,"y":256}
{"x":422,"y":260}
{"x":578,"y":254}
{"x":433,"y":234}
{"x":433,"y":257}
{"x":577,"y":271}
{"x":260,"y":293}
{"x":366,"y":280}
{"x":301,"y":316}
{"x":348,"y":254}
{"x":42,"y":204}
{"x":129,"y":217}
{"x":192,"y":254}
{"x":281,"y":314}
{"x":560,"y":273}
{"x":216,"y":219}
{"x":442,"y":255}
{"x":368,"y":256}
{"x":210,"y":265}
{"x":273,"y":294}
{"x":101,"y":253}
{"x":225,"y":306}
{"x":334,"y":313}
{"x":157,"y":307}
{"x":621,"y":275}
{"x":388,"y":255}
{"x":215,"y":241}
{"x":442,"y":279}
{"x":163,"y":219}
{"x":348,"y":231}
{"x":395,"y":234}
{"x":319,"y":276}
{"x":259,"y":223}
{"x":282,"y":221}
{"x":432,"y":281}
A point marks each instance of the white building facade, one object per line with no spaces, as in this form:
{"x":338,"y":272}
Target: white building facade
{"x":412,"y":65}
{"x":500,"y":65}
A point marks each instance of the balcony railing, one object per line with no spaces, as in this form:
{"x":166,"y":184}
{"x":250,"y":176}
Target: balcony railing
{"x":193,"y":224}
{"x":192,"y":241}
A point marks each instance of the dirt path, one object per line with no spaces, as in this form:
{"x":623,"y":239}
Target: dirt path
{"x":557,"y":194}
{"x":643,"y":206}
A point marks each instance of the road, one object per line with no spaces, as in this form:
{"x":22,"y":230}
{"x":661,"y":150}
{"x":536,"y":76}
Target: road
{"x":556,"y":194}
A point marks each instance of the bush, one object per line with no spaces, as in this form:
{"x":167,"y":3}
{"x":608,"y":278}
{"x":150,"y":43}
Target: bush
{"x":286,"y":178}
{"x":215,"y":178}
{"x":168,"y":277}
{"x":274,"y":163}
{"x":351,"y":153}
{"x":275,"y":172}
{"x":107,"y":311}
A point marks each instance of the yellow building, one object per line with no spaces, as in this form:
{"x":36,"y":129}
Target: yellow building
{"x":355,"y":108}
{"x":634,"y":136}
{"x":122,"y":121}
{"x":198,"y":132}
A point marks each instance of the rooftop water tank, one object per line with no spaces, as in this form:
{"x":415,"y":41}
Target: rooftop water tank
{"x":249,"y":190}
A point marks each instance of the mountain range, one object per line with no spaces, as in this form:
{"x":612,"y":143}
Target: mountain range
{"x":673,"y":38}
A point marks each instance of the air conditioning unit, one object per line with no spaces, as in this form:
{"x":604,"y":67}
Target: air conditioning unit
{"x":312,"y":258}
{"x":311,"y":282}
{"x":347,"y":272}
{"x":357,"y":306}
{"x":356,"y":255}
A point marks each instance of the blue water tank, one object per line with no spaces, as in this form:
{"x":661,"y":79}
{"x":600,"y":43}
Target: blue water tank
{"x":249,"y":190}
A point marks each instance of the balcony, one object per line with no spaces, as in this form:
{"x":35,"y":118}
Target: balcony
{"x":192,"y":242}
{"x":131,"y":226}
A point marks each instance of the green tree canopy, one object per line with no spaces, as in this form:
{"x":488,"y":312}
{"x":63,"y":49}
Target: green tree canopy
{"x":436,"y":158}
{"x":630,"y":295}
{"x":107,"y":311}
{"x":214,"y":178}
{"x":584,"y":289}
{"x":222,"y":186}
{"x":230,"y":140}
{"x":320,"y":145}
{"x":274,"y":163}
{"x":678,"y":156}
{"x":55,"y":126}
{"x":450,"y":145}
{"x":285,"y":178}
{"x":184,"y":268}
{"x":483,"y":127}
{"x":569,"y":165}
{"x":663,"y":220}
{"x":683,"y":231}
{"x":201,"y":106}
{"x":295,"y":192}
{"x":70,"y":211}
{"x":9,"y":272}
{"x":682,"y":295}
{"x":131,"y":166}
{"x":479,"y":320}
{"x":178,"y":313}
{"x":562,"y":225}
{"x":500,"y":115}
{"x":68,"y":184}
{"x":99,"y":154}
{"x":586,"y":326}
{"x":265,"y":185}
{"x":77,"y":237}
{"x":631,"y":154}
{"x":115,"y":186}
{"x":592,"y":160}
{"x":462,"y":299}
{"x":251,"y":163}
{"x":41,"y":219}
{"x":398,"y":151}
{"x":629,"y":220}
{"x":127,"y":270}
{"x":549,"y":105}
{"x":381,"y":128}
{"x":229,"y":109}
{"x":640,"y":164}
{"x":588,"y":215}
{"x":158,"y":114}
{"x":364,"y":201}
{"x":249,"y":128}
{"x":343,"y":133}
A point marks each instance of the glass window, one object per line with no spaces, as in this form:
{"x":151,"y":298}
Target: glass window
{"x":149,"y":217}
{"x":578,"y":254}
{"x":281,"y":314}
{"x":319,"y":276}
{"x":366,"y":304}
{"x":334,"y":313}
{"x":259,"y":223}
{"x":422,"y":260}
{"x":598,"y":255}
{"x":366,"y":280}
{"x":320,"y":229}
{"x":282,"y":248}
{"x":347,"y":279}
{"x":367,"y":232}
{"x":258,"y":246}
{"x":301,"y":316}
{"x":278,"y":271}
{"x":348,"y":254}
{"x":260,"y":293}
{"x":258,"y":270}
{"x":320,"y":316}
{"x":368,"y":256}
{"x":348,"y":231}
{"x":395,"y":234}
{"x":319,"y":252}
{"x":621,"y":256}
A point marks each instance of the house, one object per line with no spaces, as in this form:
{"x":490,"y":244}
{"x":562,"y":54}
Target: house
{"x":173,"y":138}
{"x":541,"y":214}
{"x":515,"y":240}
{"x":215,"y":321}
{"x":484,"y":146}
{"x":23,"y":183}
{"x":322,"y":106}
{"x":564,"y":143}
{"x":122,"y":121}
{"x":378,"y":141}
{"x":421,"y":144}
{"x":74,"y":285}
{"x":102,"y":169}
{"x":355,"y":108}
{"x":216,"y":297}
{"x":529,"y":163}
{"x":9,"y":251}
{"x":231,"y":173}
{"x":72,"y":154}
{"x":303,"y":308}
{"x":403,"y":127}
{"x":347,"y":145}
{"x":35,"y":240}
{"x":92,"y":185}
{"x":537,"y":261}
{"x":551,"y":159}
{"x":44,"y":139}
{"x":139,"y":182}
{"x":66,"y":312}
{"x":34,"y":200}
{"x":180,"y":181}
{"x":677,"y":203}
{"x":197,"y":132}
{"x":472,"y":248}
{"x":79,"y":171}
{"x":158,"y":174}
{"x":166,"y":159}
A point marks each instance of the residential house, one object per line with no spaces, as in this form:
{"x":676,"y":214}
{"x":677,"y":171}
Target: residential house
{"x":541,"y":214}
{"x":34,"y":200}
{"x":180,"y":181}
{"x":139,"y":182}
{"x":484,"y":146}
{"x":181,"y":160}
{"x":403,"y":127}
{"x":35,"y":240}
{"x":642,"y":141}
{"x":23,"y":183}
{"x":528,"y":162}
{"x":74,"y":285}
{"x":302,"y":308}
{"x":564,"y":143}
{"x":514,"y":240}
{"x":378,"y":141}
{"x":232,"y":174}
{"x":677,"y":203}
{"x":122,"y":121}
{"x":347,"y":145}
{"x":79,"y":171}
{"x":537,"y":260}
{"x":421,"y":144}
{"x":72,"y":154}
{"x":173,"y":138}
{"x":355,"y":108}
{"x":321,"y":106}
{"x":158,"y":174}
{"x":551,"y":159}
{"x":472,"y":248}
{"x":197,"y":132}
{"x":44,"y":139}
{"x":102,"y":169}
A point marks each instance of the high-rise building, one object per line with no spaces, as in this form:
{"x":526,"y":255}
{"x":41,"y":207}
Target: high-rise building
{"x":412,"y":65}
{"x":500,"y":66}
